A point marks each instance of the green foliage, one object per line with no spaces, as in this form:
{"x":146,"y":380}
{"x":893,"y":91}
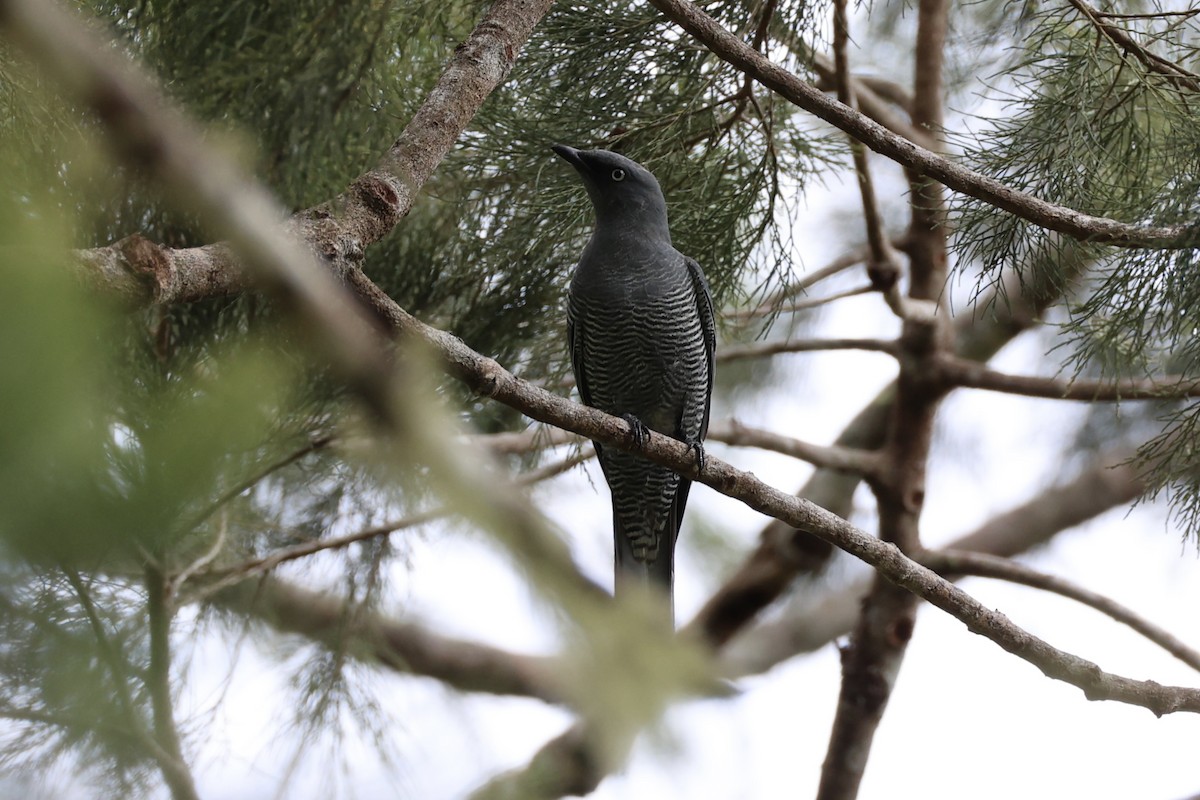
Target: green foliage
{"x":52,"y":430}
{"x":123,"y":435}
{"x":1089,"y":125}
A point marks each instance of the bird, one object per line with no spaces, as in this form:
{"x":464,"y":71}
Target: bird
{"x":642,"y":339}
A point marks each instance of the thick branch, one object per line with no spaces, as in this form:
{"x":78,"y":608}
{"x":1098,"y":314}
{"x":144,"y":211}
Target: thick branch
{"x":922,"y":161}
{"x":142,"y":272}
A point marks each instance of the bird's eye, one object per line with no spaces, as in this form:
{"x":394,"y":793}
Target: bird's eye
{"x":618,"y":174}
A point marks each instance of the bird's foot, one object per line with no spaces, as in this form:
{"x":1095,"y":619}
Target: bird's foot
{"x":638,"y":431}
{"x":701,"y":459}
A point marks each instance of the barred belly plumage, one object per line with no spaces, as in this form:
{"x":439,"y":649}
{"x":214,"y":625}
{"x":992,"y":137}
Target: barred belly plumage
{"x":649,"y":360}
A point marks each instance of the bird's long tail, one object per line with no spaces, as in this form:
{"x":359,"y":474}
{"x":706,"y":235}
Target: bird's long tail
{"x":655,"y":575}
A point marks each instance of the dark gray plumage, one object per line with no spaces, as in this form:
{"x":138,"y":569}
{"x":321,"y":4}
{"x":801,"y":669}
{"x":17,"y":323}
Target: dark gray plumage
{"x":642,"y":337}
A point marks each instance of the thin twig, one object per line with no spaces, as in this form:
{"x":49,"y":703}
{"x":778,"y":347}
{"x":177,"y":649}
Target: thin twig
{"x":403,"y":645}
{"x":250,"y":481}
{"x":206,"y":558}
{"x":174,"y":767}
{"x":951,"y":562}
{"x":739,"y":352}
{"x":882,"y":260}
{"x":841,"y":459}
{"x":217,"y":580}
{"x":1170,"y":70}
{"x":973,"y":375}
{"x":810,"y":303}
{"x":773,"y":303}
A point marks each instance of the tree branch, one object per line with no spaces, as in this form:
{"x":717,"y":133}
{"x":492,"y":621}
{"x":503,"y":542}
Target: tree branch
{"x":842,"y":459}
{"x":1176,"y":74}
{"x":143,"y":272}
{"x":951,"y":562}
{"x":1086,"y":227}
{"x":882,"y":266}
{"x":171,"y":762}
{"x":738,"y":352}
{"x":806,"y":626}
{"x":973,"y":375}
{"x":404,"y":646}
{"x":872,"y":660}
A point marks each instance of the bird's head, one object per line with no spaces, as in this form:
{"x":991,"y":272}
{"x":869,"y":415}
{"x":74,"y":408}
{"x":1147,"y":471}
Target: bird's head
{"x":622,"y":190}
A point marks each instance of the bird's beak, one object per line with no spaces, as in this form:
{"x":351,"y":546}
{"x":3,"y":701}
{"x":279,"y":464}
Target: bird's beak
{"x":570,"y":155}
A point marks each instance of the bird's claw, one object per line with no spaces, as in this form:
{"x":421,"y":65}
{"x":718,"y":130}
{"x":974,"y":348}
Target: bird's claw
{"x":638,"y":431}
{"x":701,"y":459}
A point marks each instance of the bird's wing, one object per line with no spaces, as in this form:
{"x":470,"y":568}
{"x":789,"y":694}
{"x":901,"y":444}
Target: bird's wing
{"x":708,"y":324}
{"x":575,"y":339}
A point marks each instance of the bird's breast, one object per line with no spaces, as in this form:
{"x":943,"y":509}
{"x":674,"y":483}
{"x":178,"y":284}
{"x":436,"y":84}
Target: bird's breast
{"x":642,"y":339}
